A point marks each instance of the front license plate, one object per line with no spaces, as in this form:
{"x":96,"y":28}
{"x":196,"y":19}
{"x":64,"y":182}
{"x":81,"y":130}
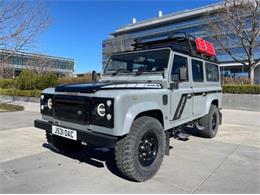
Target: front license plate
{"x":63,"y":132}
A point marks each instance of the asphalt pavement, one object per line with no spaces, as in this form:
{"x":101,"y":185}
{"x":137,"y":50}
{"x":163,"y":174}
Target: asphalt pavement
{"x":229,"y":163}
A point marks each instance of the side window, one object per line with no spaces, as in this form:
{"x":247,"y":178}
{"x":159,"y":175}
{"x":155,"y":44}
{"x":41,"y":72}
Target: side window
{"x":137,"y":66}
{"x":179,"y":69}
{"x":197,"y":71}
{"x":212,"y":72}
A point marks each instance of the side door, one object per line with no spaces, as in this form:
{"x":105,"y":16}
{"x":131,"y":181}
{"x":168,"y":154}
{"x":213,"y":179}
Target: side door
{"x":198,"y":84}
{"x":181,"y":91}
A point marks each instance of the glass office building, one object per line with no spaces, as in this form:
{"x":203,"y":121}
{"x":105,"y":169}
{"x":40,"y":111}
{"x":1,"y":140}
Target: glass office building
{"x":18,"y":61}
{"x":192,"y":22}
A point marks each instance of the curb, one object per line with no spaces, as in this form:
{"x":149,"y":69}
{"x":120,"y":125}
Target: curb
{"x":19,"y":98}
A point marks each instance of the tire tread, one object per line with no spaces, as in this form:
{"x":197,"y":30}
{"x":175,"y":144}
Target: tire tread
{"x":206,"y":121}
{"x":124,"y":148}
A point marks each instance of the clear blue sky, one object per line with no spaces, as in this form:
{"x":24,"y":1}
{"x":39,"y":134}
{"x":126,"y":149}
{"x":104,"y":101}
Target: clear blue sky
{"x":80,"y":26}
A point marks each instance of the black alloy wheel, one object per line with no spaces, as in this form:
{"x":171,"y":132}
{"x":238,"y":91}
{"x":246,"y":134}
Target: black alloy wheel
{"x":148,"y":149}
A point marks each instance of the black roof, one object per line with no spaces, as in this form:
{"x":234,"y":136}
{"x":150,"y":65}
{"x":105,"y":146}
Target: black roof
{"x":178,"y":41}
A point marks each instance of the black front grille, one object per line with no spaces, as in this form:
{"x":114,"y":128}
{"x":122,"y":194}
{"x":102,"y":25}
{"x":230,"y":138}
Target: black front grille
{"x":72,"y":108}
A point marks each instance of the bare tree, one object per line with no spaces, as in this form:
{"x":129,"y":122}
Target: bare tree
{"x":40,"y":63}
{"x":21,"y":22}
{"x":118,"y":44}
{"x":237,"y":25}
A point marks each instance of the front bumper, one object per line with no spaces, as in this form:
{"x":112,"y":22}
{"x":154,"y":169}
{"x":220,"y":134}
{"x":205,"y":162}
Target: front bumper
{"x":88,"y":137}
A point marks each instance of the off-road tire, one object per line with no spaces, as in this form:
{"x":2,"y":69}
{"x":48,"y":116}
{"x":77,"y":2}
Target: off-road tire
{"x":210,"y":129}
{"x":127,"y":149}
{"x":63,"y":145}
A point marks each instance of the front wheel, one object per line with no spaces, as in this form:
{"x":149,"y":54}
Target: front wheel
{"x":140,"y":154}
{"x":210,"y":123}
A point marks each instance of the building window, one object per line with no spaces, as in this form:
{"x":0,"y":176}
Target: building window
{"x":178,"y":63}
{"x":197,"y":71}
{"x":212,"y":72}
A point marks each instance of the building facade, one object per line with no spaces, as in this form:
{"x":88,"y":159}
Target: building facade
{"x":189,"y":21}
{"x":18,"y":61}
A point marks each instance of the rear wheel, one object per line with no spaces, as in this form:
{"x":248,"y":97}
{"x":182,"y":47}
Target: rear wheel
{"x":210,"y":123}
{"x":63,"y":145}
{"x":140,"y":154}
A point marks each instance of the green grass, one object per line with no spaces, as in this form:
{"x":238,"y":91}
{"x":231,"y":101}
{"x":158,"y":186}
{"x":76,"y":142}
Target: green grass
{"x":10,"y":107}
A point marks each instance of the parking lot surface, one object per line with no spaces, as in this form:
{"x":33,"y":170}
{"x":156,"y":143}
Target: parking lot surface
{"x":229,"y":163}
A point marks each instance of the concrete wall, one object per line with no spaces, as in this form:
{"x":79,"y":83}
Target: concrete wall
{"x":241,"y":102}
{"x":257,"y":74}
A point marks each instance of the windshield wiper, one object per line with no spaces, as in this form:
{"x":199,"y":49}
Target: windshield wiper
{"x":120,"y":70}
{"x":138,"y":73}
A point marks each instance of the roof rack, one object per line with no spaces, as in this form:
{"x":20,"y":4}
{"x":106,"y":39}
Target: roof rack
{"x":178,"y":41}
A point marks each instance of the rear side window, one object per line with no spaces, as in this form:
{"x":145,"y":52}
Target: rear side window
{"x":197,"y":71}
{"x":212,"y":72}
{"x":178,"y":63}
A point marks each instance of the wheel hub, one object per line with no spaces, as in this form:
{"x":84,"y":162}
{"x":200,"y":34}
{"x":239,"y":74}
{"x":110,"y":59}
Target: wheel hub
{"x":148,"y":148}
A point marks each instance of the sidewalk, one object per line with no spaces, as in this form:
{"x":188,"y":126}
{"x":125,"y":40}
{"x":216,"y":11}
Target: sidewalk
{"x":229,"y":163}
{"x":28,"y":106}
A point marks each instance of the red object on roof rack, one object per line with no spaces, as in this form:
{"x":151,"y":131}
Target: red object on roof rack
{"x":205,"y":47}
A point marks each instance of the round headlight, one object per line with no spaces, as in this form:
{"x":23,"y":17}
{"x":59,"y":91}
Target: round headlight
{"x":42,"y":107}
{"x":42,"y":97}
{"x":101,"y":109}
{"x":49,"y":103}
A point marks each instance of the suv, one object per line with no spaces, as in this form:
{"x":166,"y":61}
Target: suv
{"x":142,"y":98}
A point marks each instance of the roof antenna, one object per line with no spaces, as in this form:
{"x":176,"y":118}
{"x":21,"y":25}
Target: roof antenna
{"x":133,"y":20}
{"x":160,"y":14}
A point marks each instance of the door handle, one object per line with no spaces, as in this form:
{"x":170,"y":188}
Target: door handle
{"x":189,"y":96}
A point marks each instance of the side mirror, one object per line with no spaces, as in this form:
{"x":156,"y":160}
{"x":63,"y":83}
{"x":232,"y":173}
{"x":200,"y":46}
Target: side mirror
{"x":183,"y":76}
{"x":94,"y":76}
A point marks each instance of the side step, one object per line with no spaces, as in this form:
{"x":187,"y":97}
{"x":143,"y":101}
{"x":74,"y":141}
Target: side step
{"x":180,"y":134}
{"x":183,"y":136}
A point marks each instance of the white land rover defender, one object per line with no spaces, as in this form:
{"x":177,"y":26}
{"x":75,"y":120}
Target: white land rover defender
{"x":143,"y":97}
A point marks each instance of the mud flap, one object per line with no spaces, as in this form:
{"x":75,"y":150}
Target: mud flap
{"x":167,"y":139}
{"x":220,"y":117}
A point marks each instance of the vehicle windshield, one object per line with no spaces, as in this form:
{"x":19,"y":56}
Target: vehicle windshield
{"x":138,"y":62}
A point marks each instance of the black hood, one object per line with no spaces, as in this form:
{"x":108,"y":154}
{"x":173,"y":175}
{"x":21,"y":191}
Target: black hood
{"x":93,"y":87}
{"x":81,"y":87}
